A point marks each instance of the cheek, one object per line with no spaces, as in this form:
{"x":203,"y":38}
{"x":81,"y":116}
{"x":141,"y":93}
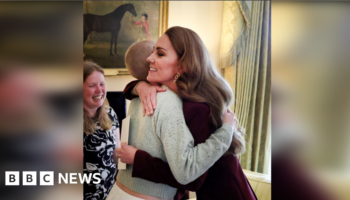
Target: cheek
{"x":86,"y":97}
{"x":88,"y":92}
{"x":169,"y":65}
{"x":104,"y":90}
{"x":172,"y":67}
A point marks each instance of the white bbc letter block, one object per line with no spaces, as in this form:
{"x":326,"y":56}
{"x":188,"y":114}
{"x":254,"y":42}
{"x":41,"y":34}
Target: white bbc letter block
{"x":12,"y":178}
{"x":29,"y":178}
{"x":46,"y":178}
{"x":72,"y":178}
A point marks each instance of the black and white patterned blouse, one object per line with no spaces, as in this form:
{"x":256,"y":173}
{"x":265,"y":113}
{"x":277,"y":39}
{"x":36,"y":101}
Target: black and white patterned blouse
{"x":98,"y":158}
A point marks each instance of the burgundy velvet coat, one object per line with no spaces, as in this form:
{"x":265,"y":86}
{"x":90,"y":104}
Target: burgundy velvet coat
{"x":225,"y":180}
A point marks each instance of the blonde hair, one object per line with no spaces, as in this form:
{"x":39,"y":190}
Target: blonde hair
{"x":101,"y":113}
{"x":200,"y":80}
{"x":136,"y":59}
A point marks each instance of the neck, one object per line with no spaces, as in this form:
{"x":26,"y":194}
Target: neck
{"x":172,"y":86}
{"x":90,"y":112}
{"x":120,"y":11}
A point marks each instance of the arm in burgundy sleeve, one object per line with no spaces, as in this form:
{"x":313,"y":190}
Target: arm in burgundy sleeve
{"x":158,"y":171}
{"x":128,"y":88}
{"x":155,"y":170}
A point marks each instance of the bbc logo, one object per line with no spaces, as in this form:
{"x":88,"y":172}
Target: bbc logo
{"x":29,"y":178}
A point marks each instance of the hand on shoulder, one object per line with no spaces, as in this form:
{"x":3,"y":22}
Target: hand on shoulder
{"x":148,"y":95}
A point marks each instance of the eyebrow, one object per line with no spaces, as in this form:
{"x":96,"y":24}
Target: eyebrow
{"x":161,"y":48}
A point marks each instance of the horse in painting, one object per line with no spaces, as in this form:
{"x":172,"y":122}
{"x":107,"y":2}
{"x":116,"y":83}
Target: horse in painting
{"x":107,"y":23}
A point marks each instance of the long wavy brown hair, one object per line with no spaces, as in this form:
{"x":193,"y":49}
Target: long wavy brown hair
{"x":101,"y":113}
{"x":200,"y":81}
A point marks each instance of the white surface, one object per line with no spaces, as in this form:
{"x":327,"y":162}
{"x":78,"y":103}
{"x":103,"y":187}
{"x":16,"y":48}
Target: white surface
{"x":124,"y":138}
{"x":192,"y":195}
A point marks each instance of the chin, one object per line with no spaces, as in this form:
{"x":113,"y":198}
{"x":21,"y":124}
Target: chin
{"x":99,"y":104}
{"x":154,"y":79}
{"x":149,"y":79}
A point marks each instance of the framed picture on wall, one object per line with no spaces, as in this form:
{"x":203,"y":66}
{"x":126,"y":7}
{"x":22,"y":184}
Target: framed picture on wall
{"x":110,"y":27}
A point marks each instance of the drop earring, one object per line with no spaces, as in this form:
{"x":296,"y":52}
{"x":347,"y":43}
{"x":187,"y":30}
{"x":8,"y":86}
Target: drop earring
{"x":177,"y":76}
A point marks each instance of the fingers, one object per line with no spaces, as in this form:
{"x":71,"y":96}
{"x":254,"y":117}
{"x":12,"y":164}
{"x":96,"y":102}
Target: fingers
{"x":119,"y":151}
{"x":230,"y":118}
{"x":148,"y":96}
{"x":154,"y":100}
{"x":144,"y":106}
{"x":149,"y":107}
{"x":235,"y":120}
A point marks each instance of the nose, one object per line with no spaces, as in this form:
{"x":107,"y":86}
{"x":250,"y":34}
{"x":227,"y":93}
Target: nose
{"x":98,"y":89}
{"x":150,"y":59}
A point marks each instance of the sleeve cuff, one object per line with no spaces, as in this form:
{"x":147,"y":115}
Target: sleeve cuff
{"x":137,"y":167}
{"x":229,"y":129}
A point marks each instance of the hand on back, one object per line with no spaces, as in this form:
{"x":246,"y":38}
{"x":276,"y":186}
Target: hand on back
{"x":229,"y":118}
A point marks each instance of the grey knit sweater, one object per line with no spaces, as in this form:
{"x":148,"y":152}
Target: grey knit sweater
{"x":166,"y":136}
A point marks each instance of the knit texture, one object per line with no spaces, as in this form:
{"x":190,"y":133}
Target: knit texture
{"x":166,"y":136}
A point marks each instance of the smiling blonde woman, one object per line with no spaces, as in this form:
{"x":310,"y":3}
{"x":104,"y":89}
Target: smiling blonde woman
{"x":101,"y":133}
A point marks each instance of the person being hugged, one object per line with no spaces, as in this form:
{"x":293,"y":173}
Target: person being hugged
{"x":181,"y":62}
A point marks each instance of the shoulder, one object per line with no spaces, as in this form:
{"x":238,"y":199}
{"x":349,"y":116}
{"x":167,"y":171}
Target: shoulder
{"x":194,"y":109}
{"x":168,"y":98}
{"x":110,"y":110}
{"x":111,"y":113}
{"x":168,"y":104}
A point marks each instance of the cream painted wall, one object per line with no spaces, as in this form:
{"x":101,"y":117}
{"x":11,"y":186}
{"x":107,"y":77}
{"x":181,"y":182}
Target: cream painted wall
{"x":203,"y":17}
{"x":118,"y":83}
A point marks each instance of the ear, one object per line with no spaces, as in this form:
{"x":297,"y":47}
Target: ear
{"x":180,"y":69}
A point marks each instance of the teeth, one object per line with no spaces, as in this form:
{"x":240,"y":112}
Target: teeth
{"x":99,"y":97}
{"x":152,"y":69}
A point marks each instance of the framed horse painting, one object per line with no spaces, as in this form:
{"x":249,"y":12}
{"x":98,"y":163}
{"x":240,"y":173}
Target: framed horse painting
{"x":110,"y":27}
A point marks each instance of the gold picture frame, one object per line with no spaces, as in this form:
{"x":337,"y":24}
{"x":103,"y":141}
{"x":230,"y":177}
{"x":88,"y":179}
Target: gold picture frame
{"x":163,"y":17}
{"x":112,"y":71}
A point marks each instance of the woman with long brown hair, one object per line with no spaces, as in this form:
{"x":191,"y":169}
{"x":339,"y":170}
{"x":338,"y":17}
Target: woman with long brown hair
{"x":101,"y":133}
{"x":205,"y":95}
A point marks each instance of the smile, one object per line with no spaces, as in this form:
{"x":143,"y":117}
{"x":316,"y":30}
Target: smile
{"x":152,"y":69}
{"x":98,"y":97}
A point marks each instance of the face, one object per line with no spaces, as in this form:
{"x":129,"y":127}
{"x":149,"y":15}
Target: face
{"x":94,"y":91}
{"x":143,"y":18}
{"x":163,"y":62}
